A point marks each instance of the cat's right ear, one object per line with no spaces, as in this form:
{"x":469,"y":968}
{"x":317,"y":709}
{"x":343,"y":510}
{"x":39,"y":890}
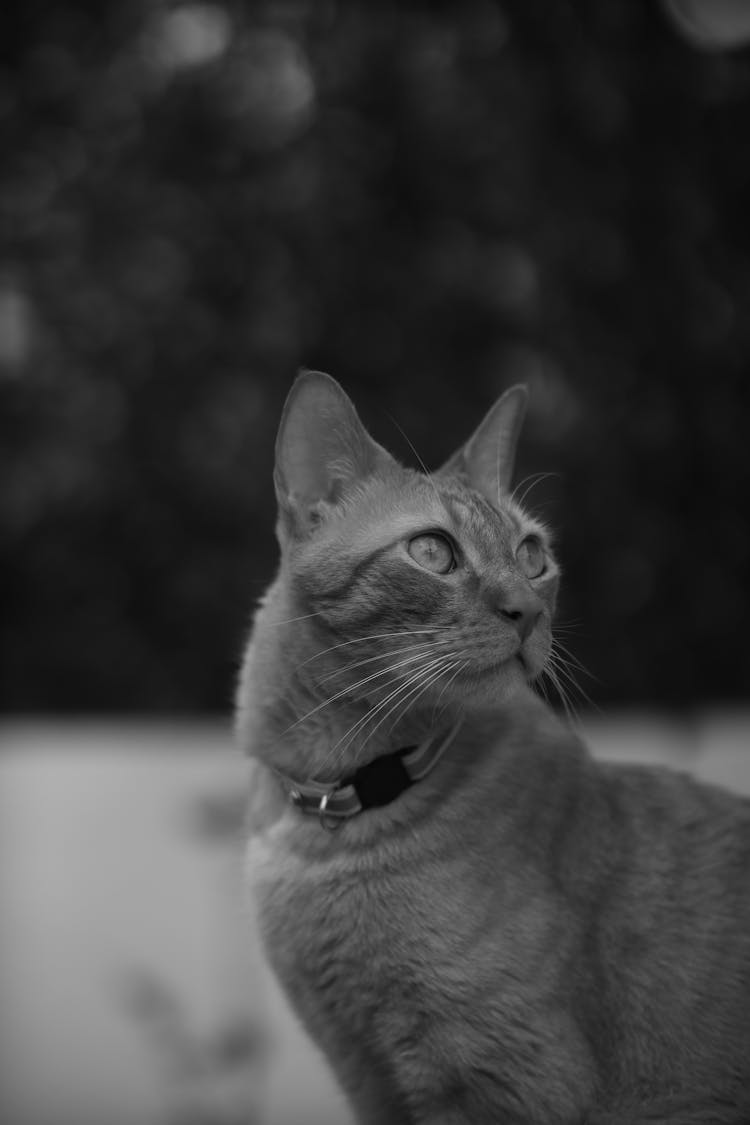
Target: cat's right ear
{"x":322,"y":451}
{"x":487,"y":460}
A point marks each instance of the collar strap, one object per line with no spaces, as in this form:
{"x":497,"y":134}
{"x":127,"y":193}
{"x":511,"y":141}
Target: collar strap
{"x":371,"y":786}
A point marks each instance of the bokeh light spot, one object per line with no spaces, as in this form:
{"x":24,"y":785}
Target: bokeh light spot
{"x":713,"y":24}
{"x":15,"y":330}
{"x":269,"y":86}
{"x":191,"y":35}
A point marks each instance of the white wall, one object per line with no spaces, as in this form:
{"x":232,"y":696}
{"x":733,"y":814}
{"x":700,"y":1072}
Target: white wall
{"x":109,"y":880}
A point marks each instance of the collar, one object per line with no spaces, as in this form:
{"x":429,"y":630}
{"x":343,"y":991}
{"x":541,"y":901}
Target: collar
{"x":371,"y":786}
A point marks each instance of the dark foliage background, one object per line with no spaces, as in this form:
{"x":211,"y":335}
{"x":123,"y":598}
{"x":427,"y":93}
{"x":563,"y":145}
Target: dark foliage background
{"x":431,"y":203}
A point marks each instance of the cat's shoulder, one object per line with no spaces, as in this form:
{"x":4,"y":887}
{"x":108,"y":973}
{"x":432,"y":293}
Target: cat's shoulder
{"x":265,"y":803}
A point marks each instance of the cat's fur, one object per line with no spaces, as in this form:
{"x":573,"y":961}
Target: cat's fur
{"x":526,"y":936}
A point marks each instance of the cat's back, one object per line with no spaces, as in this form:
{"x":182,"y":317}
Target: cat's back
{"x":681,"y":844}
{"x":668,"y":942}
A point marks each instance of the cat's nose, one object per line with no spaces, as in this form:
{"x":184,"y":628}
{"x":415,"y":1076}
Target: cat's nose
{"x":522,"y":609}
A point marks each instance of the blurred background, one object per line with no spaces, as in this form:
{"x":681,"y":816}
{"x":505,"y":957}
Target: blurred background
{"x":430,"y":202}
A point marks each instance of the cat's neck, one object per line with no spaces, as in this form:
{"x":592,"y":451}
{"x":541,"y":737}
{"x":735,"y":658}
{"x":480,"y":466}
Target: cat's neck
{"x":289,"y":721}
{"x":292,"y":718}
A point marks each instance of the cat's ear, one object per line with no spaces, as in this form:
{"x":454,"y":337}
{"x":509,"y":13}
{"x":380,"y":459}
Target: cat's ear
{"x":486,"y":461}
{"x":322,"y":451}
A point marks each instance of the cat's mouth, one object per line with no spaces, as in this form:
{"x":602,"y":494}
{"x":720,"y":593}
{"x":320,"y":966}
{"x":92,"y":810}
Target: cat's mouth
{"x":506,"y":664}
{"x":530,"y":668}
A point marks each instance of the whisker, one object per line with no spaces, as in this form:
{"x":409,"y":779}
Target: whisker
{"x":362,"y":640}
{"x":570,"y":663}
{"x":559,"y":648}
{"x":445,"y":687}
{"x":406,"y":678}
{"x":432,"y":670}
{"x":562,"y":667}
{"x":562,"y":670}
{"x":539,"y":685}
{"x":535,"y":478}
{"x":575,"y":686}
{"x":521,"y":483}
{"x":466,"y":664}
{"x":565,"y":631}
{"x":291,"y":620}
{"x":382,"y":656}
{"x":417,"y":691}
{"x":340,"y":748}
{"x":352,"y":687}
{"x":570,"y":711}
{"x":424,"y":468}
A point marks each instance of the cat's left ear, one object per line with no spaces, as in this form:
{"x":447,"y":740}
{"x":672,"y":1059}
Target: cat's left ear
{"x":322,"y":451}
{"x":487,"y":459}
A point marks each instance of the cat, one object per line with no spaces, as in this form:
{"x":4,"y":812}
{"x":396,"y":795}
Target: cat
{"x":474,"y":920}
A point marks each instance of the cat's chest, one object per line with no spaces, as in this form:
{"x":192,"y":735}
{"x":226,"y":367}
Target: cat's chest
{"x":405,"y":965}
{"x":359,"y":929}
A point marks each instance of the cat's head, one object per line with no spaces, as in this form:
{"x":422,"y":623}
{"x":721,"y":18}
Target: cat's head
{"x":420,"y":587}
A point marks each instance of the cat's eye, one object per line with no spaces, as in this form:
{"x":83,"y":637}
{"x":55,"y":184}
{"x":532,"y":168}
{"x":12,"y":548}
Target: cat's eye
{"x":432,"y":552}
{"x":530,"y":557}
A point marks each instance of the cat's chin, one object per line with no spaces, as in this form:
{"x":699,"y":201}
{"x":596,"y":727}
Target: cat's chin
{"x":496,"y":684}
